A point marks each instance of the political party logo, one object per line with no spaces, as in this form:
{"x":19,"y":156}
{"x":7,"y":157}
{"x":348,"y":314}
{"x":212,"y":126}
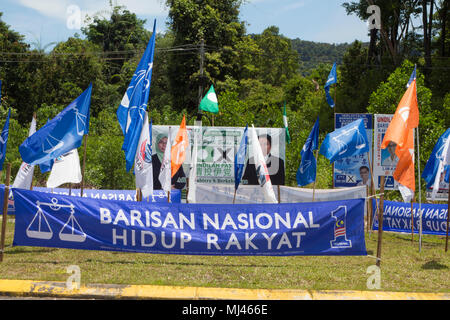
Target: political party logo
{"x":144,"y":155}
{"x":340,"y":232}
{"x":39,"y":227}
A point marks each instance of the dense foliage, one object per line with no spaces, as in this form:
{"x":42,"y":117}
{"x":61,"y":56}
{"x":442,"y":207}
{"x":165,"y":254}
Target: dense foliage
{"x":253,"y":74}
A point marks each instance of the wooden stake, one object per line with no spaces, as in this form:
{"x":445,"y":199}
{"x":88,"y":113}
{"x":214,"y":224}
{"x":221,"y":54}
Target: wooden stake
{"x":84,"y":164}
{"x":168,"y":196}
{"x":234,"y":198}
{"x":279,"y":194}
{"x":70,"y":189}
{"x":380,"y":221}
{"x":5,"y":209}
{"x":369,"y":209}
{"x":372,"y":184}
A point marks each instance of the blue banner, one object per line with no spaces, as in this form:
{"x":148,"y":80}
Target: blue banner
{"x":121,"y":195}
{"x":325,"y":228}
{"x":397,"y":217}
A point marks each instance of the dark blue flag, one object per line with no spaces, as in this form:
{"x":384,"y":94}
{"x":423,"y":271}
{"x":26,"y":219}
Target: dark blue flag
{"x":239,"y":159}
{"x":332,"y":78}
{"x":133,"y":106}
{"x":347,"y":141}
{"x":306,"y":172}
{"x":61,"y":134}
{"x":4,"y":140}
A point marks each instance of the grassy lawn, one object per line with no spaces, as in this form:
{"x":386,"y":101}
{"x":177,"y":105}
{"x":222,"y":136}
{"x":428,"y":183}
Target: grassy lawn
{"x":403,"y":267}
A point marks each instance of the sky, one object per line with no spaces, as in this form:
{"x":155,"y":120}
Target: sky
{"x":47,"y":21}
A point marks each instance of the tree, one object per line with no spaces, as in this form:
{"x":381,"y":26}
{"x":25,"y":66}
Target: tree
{"x":217,"y":24}
{"x":124,"y":32}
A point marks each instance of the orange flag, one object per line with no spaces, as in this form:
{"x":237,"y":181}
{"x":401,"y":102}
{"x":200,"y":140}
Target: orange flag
{"x":179,"y":147}
{"x":401,"y":132}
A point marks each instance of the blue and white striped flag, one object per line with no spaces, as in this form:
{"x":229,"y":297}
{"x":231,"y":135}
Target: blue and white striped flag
{"x":438,"y":163}
{"x":306,"y":172}
{"x":350,"y":140}
{"x":332,"y":78}
{"x":133,"y":106}
{"x":239,"y":159}
{"x":4,"y":140}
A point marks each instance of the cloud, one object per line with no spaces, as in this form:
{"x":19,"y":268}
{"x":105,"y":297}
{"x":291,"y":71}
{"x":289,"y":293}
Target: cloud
{"x":59,"y":8}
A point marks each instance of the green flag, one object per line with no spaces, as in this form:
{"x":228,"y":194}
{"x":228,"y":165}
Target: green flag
{"x":288,"y":137}
{"x":209,"y":102}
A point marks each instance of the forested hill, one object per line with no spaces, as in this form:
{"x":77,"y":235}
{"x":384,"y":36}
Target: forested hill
{"x":312,"y":53}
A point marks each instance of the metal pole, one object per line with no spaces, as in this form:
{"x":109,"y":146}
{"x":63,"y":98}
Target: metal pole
{"x":84,"y":165}
{"x":200,"y":87}
{"x":420,"y":193}
{"x":380,"y":222}
{"x":5,"y":209}
{"x":448,"y":215}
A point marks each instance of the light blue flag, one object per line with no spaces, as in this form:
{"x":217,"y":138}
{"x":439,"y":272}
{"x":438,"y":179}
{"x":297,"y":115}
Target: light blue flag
{"x":61,"y":134}
{"x":332,"y":78}
{"x":133,"y":106}
{"x":4,"y":140}
{"x":344,"y":142}
{"x":432,"y":167}
{"x":306,"y":172}
{"x":239,"y":159}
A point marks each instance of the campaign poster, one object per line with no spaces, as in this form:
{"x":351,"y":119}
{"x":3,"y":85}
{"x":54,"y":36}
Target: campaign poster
{"x":217,"y":147}
{"x":353,"y":171}
{"x":384,"y":160}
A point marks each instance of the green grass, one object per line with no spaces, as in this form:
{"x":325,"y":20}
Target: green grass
{"x":403,"y":267}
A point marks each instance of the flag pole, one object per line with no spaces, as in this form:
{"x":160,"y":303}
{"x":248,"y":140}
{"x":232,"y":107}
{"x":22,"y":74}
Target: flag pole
{"x":380,"y":222}
{"x":32,"y":177}
{"x":412,"y":220}
{"x":420,"y":195}
{"x":84,"y":165}
{"x":448,"y":214}
{"x":372,"y":183}
{"x":314,"y":183}
{"x":5,"y":209}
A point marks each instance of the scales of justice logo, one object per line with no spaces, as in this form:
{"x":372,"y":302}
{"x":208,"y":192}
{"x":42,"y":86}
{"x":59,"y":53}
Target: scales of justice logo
{"x":39,"y":227}
{"x":340,"y":232}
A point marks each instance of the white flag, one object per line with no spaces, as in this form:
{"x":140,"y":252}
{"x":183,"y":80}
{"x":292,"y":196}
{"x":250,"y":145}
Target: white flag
{"x":143,"y":168}
{"x":261,"y":169}
{"x":165,"y":174}
{"x":24,"y":176}
{"x":66,"y":169}
{"x":193,"y":169}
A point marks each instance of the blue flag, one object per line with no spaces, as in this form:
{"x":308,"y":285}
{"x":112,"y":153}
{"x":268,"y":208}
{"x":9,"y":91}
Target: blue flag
{"x":432,"y":166}
{"x":4,"y":140}
{"x":344,"y":142}
{"x":306,"y":172}
{"x":61,"y":134}
{"x":46,"y":166}
{"x":332,"y":78}
{"x":133,"y":106}
{"x":239,"y":159}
